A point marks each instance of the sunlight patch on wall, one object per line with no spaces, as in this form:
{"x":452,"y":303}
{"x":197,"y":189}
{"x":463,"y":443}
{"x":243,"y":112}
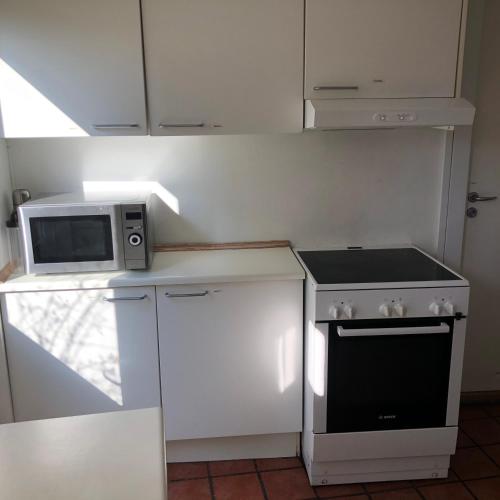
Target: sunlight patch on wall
{"x":136,"y":188}
{"x":26,"y":112}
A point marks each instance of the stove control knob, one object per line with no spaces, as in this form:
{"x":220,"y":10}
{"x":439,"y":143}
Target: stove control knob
{"x":334,"y":312}
{"x":349,"y":311}
{"x":449,"y":308}
{"x":435,"y":308}
{"x":385,"y":310}
{"x":400,"y":309}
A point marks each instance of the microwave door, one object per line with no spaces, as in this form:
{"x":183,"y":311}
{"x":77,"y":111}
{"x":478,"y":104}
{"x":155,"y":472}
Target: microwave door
{"x":77,"y":240}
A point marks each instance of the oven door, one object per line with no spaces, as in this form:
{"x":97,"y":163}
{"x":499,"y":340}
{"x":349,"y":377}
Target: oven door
{"x":69,"y":238}
{"x":386,"y":374}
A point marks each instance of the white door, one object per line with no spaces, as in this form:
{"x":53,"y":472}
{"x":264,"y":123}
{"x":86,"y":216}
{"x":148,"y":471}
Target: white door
{"x":71,"y":67}
{"x":481,"y":263}
{"x":224,"y":66}
{"x":231,"y":359}
{"x":80,"y":352}
{"x":381,"y":48}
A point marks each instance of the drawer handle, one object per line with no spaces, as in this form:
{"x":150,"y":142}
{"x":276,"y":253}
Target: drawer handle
{"x":115,"y":126}
{"x":186,"y":295}
{"x":181,"y":125}
{"x":121,"y":299}
{"x":337,"y":87}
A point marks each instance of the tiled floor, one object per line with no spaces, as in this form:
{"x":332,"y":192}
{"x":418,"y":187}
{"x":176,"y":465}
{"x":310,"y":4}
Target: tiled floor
{"x":474,"y":473}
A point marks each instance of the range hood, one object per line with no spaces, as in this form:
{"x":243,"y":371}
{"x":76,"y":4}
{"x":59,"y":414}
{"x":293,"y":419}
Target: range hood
{"x":324,"y":114}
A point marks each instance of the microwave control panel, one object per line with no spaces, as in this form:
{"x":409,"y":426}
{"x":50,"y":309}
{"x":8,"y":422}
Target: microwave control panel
{"x":134,"y":222}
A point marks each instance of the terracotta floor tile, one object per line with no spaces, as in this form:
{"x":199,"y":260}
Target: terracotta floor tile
{"x":387,"y":485}
{"x":338,"y":490}
{"x":291,"y":484}
{"x":355,"y":497}
{"x":469,"y":412}
{"x":473,"y":463}
{"x":188,"y":470}
{"x":407,"y":494}
{"x":278,"y":463}
{"x":192,"y":489}
{"x":240,"y":487}
{"x":464,"y":441}
{"x":225,"y":467}
{"x":482,"y":431}
{"x":452,"y":477}
{"x":493,"y":451}
{"x":451,"y":491}
{"x":485,"y":489}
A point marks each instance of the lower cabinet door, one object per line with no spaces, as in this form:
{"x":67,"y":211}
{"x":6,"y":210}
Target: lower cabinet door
{"x":231,"y":359}
{"x":80,"y":352}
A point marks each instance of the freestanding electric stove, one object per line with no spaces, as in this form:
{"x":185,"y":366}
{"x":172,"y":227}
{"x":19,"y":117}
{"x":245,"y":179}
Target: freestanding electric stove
{"x":385,"y":333}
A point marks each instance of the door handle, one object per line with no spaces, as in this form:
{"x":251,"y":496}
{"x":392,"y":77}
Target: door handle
{"x":120,"y":299}
{"x":473,"y":197}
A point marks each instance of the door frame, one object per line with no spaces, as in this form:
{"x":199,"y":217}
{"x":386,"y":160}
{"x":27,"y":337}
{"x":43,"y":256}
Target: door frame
{"x":458,"y":147}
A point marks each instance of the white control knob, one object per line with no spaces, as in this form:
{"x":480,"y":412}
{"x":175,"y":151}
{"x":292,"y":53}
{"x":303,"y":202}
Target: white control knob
{"x":349,"y":311}
{"x":435,"y":308}
{"x":449,"y":308}
{"x":334,"y":312}
{"x":400,"y":309}
{"x":385,"y":310}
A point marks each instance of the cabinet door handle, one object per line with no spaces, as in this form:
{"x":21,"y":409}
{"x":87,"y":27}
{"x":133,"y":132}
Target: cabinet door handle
{"x":186,"y":295}
{"x":120,"y":299}
{"x":115,"y":126}
{"x":337,"y":87}
{"x":181,"y":125}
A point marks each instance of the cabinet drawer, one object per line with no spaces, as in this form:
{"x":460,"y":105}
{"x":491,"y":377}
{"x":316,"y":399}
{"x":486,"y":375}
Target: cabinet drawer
{"x":83,"y":351}
{"x":231,"y":359}
{"x":381,"y":48}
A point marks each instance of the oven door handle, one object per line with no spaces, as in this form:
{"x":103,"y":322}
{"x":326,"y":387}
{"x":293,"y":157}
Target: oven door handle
{"x":378,"y":332}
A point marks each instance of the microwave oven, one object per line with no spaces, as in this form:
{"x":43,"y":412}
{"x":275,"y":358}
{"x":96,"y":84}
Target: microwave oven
{"x":80,"y":232}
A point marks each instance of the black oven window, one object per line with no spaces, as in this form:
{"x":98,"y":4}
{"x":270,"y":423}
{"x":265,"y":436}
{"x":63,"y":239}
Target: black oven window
{"x":76,"y":238}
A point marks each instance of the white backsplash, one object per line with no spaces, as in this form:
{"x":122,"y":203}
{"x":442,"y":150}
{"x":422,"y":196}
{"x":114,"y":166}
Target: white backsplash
{"x":315,"y":189}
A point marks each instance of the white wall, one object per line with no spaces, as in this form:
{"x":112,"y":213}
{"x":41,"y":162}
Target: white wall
{"x":325,"y":188}
{"x":5,"y":202}
{"x":5,"y":207}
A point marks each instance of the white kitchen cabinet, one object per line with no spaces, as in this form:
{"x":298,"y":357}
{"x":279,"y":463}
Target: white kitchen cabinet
{"x":69,"y":67}
{"x":82,"y":351}
{"x":381,"y":48}
{"x":220,"y":66}
{"x":231,"y":359}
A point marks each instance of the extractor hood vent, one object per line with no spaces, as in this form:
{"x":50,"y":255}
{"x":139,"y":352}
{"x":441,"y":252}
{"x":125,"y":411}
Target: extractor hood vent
{"x":387,"y":113}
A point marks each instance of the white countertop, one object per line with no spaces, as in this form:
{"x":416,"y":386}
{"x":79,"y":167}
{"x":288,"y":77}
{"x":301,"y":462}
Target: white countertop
{"x":116,"y":455}
{"x":175,"y":268}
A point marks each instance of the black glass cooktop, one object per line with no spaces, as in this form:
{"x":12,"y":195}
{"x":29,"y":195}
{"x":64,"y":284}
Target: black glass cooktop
{"x":373,"y":266}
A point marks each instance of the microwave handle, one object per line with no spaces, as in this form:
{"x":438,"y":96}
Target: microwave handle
{"x":379,"y":332}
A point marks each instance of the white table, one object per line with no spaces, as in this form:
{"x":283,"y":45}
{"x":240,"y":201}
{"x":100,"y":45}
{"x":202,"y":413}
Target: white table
{"x":109,"y":456}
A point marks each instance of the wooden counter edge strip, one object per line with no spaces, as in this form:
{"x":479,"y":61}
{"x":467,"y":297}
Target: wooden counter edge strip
{"x":186,"y":247}
{"x":6,"y":271}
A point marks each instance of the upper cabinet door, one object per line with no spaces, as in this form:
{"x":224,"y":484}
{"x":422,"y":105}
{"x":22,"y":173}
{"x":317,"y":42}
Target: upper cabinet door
{"x":224,"y":66}
{"x":381,"y":48}
{"x":71,"y":67}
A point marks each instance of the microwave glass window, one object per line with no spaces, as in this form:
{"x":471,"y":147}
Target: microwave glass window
{"x":79,"y":238}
